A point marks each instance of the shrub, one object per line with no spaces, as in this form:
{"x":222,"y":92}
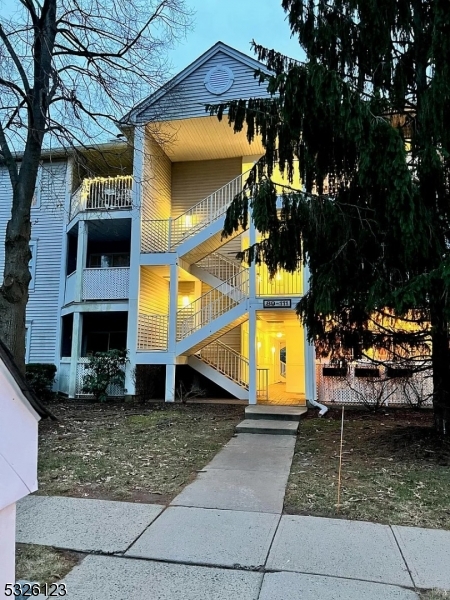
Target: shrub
{"x":41,"y":377}
{"x":104,"y":369}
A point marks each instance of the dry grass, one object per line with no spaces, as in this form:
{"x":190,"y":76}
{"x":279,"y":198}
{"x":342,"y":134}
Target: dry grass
{"x":122,"y":452}
{"x":435,"y":595}
{"x":395,"y":470}
{"x":42,"y":564}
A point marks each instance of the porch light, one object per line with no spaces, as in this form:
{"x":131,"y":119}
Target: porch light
{"x":185,"y":301}
{"x":273,"y":349}
{"x":259,"y":345}
{"x":279,"y":334}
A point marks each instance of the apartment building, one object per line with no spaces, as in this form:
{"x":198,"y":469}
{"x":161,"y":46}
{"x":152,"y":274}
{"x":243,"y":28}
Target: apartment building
{"x":128,"y":251}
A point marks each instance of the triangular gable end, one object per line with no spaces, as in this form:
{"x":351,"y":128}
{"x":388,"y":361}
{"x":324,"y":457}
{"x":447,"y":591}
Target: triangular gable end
{"x":220,"y":74}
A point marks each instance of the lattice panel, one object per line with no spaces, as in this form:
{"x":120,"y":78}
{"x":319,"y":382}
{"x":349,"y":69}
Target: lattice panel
{"x":106,"y":284}
{"x":82,"y":370}
{"x":153,"y":332}
{"x":359,"y":390}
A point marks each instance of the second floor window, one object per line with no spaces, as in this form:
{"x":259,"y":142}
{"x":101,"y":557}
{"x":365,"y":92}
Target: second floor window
{"x":107,"y":261}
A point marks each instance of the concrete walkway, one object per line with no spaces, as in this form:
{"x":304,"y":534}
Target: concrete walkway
{"x":223,"y":538}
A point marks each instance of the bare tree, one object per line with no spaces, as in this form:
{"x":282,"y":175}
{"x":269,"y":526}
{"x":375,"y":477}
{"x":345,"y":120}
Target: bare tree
{"x":68,"y":70}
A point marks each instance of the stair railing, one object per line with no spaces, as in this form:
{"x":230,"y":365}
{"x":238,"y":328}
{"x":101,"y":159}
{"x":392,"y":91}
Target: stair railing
{"x":283,"y":368}
{"x":213,"y":304}
{"x":226,"y":361}
{"x":166,"y":235}
{"x":220,"y":266}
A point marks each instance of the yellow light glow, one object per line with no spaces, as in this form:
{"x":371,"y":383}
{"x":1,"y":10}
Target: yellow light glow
{"x":279,"y":334}
{"x":188,"y":221}
{"x":278,"y":277}
{"x":185,"y":301}
{"x":273,"y":349}
{"x":259,"y":345}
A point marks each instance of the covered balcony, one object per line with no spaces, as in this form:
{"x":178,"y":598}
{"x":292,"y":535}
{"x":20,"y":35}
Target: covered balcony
{"x":98,"y":194}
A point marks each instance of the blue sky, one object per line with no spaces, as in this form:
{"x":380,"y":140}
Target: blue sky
{"x":236,"y":23}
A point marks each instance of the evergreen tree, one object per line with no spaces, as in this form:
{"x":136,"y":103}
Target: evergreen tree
{"x":367,"y":117}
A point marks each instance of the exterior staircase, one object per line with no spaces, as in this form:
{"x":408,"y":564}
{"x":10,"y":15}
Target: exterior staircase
{"x":275,"y":420}
{"x":213,"y":314}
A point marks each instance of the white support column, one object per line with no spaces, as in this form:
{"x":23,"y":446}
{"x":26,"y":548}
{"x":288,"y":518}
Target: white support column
{"x":310,"y":352}
{"x":82,"y":243}
{"x":173,"y":307}
{"x":252,"y":274}
{"x":77,"y":330}
{"x":135,"y":269}
{"x":172,"y":333}
{"x":252,"y":377}
{"x":170,"y":383}
{"x":310,"y":369}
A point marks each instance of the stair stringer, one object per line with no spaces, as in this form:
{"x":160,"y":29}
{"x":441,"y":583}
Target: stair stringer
{"x":213,"y":330}
{"x":223,"y":381}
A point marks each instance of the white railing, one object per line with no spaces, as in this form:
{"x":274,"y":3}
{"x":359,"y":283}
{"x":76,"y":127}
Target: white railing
{"x":106,"y":284}
{"x":262,"y":384}
{"x":235,"y":366}
{"x":165,"y":236}
{"x":283,"y":284}
{"x":220,"y":266}
{"x":283,"y":369}
{"x":227,"y":361}
{"x":153,"y":332}
{"x":69,"y":295}
{"x":213,"y":304}
{"x":348,"y":388}
{"x":103,"y":193}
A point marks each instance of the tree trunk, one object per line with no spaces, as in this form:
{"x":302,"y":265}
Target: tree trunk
{"x":16,"y":279}
{"x":441,"y":371}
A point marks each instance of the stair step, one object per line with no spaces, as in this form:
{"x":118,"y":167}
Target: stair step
{"x":275,"y":413}
{"x":275,"y":427}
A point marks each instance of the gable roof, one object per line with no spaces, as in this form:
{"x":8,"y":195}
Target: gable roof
{"x":218,"y":47}
{"x":7,"y":358}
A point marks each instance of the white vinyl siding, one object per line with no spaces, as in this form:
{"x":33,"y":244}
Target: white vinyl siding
{"x":156,"y":184}
{"x":154,"y":293}
{"x":47,"y":241}
{"x":189,"y":98}
{"x":195,"y":180}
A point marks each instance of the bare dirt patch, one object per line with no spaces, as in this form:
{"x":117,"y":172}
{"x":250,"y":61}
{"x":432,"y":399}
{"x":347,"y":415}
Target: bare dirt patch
{"x":127,"y":452}
{"x":395,"y":469}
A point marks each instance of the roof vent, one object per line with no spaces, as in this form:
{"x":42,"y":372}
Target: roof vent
{"x":218,"y":80}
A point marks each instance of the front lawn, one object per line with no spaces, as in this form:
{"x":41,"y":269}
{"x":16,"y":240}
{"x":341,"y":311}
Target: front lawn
{"x":395,"y":470}
{"x":123,"y":452}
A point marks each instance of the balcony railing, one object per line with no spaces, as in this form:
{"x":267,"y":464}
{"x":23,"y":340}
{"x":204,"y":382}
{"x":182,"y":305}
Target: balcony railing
{"x":153,"y":332}
{"x":106,"y":284}
{"x":283,"y":284}
{"x":102,"y":193}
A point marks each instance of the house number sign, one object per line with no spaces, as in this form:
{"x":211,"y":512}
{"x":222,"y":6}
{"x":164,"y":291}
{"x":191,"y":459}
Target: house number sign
{"x":277,"y":303}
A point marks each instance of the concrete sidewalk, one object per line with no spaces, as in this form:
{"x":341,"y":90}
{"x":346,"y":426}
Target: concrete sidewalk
{"x":223,"y":538}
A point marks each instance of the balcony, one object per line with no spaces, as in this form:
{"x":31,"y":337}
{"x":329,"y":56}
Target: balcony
{"x":99,"y":284}
{"x":102,"y":194}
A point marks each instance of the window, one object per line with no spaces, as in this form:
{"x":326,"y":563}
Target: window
{"x":102,"y":341}
{"x":27,"y":341}
{"x":32,"y":264}
{"x":107,"y":261}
